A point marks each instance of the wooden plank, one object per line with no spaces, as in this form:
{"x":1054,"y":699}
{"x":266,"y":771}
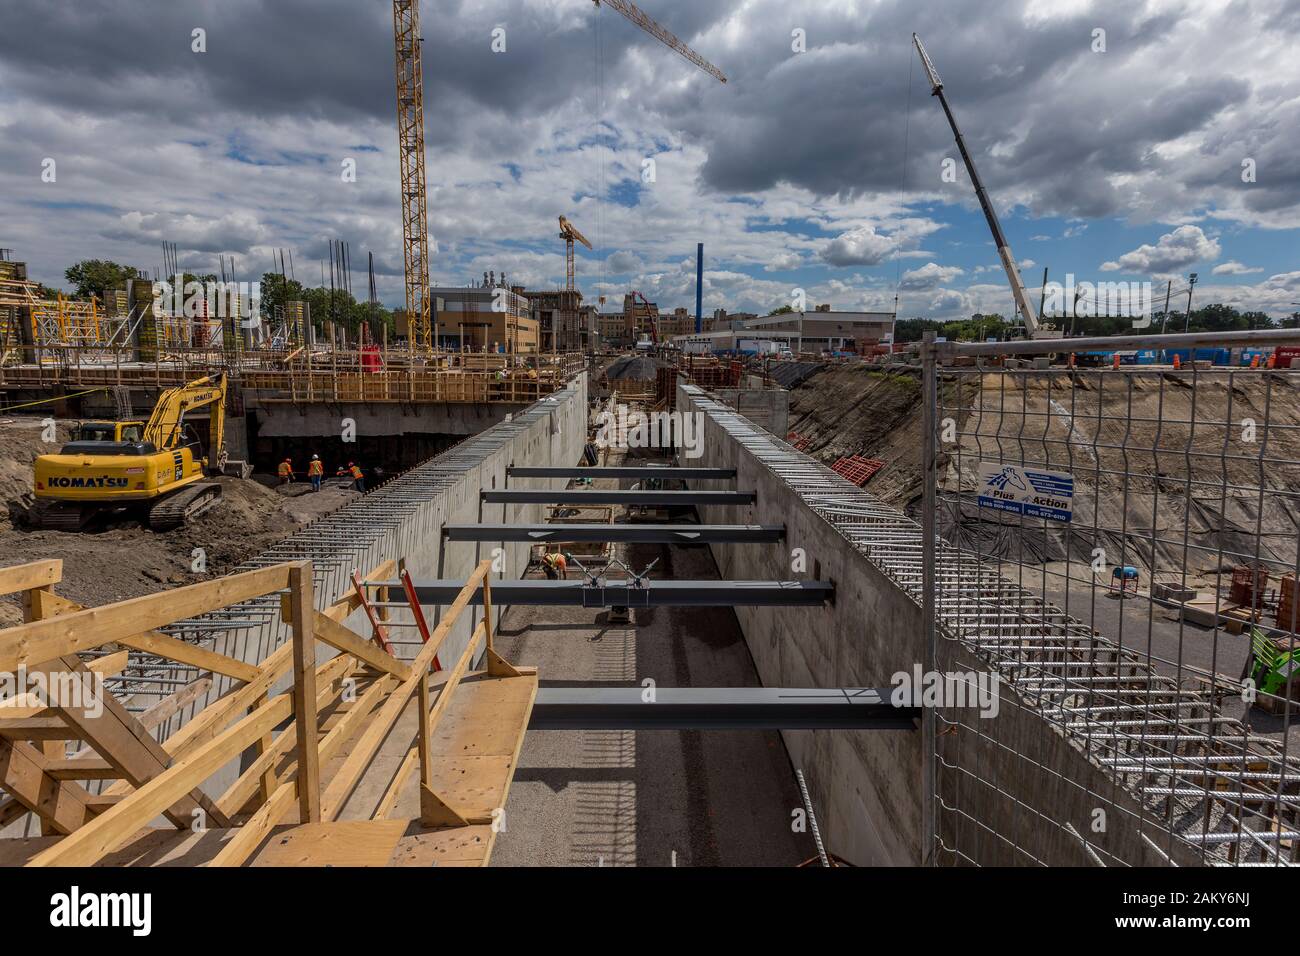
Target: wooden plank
{"x":39,"y":641}
{"x":109,"y":664}
{"x":262,"y":769}
{"x":474,"y":764}
{"x":36,"y":728}
{"x":27,"y":577}
{"x":249,"y":837}
{"x":343,"y":639}
{"x":304,"y":693}
{"x":23,"y":774}
{"x":459,"y":846}
{"x":121,"y":740}
{"x":81,"y":768}
{"x":341,"y":843}
{"x":108,"y":831}
{"x":156,"y":642}
{"x":345,"y":780}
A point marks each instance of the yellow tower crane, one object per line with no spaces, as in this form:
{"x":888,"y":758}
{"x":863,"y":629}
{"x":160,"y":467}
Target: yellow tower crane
{"x":410,"y":143}
{"x":570,"y":234}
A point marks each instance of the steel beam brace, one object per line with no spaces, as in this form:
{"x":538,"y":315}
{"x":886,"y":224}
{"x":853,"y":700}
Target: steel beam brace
{"x":579,"y":496}
{"x":620,"y":594}
{"x":640,"y":533}
{"x":620,"y":472}
{"x":719,"y":708}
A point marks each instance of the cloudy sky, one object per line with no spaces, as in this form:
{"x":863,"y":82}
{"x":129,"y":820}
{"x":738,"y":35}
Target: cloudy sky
{"x":1121,"y":140}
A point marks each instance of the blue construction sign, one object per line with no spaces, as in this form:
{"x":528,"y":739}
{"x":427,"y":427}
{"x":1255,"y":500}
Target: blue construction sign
{"x":1026,"y":491}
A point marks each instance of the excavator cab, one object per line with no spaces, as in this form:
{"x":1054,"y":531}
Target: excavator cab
{"x":122,"y":438}
{"x":109,"y":431}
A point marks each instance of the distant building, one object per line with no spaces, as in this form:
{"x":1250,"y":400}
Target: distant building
{"x":819,"y":331}
{"x":561,"y":319}
{"x":491,"y":317}
{"x":612,"y":330}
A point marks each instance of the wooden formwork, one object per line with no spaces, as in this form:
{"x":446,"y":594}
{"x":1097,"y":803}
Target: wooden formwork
{"x":298,"y":778}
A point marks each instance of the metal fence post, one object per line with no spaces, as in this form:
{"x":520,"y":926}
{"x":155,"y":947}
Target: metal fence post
{"x":929,"y":477}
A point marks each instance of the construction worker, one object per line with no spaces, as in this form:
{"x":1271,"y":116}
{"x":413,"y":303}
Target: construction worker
{"x":316,"y":472}
{"x":286,"y":471}
{"x":358,"y":477}
{"x":555,"y":566}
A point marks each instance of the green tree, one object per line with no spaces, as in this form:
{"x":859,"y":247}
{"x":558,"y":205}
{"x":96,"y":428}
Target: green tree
{"x":94,"y":276}
{"x":781,"y":311}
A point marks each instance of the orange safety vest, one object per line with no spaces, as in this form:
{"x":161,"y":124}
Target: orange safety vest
{"x":316,"y":468}
{"x":356,"y":472}
{"x":286,"y":469}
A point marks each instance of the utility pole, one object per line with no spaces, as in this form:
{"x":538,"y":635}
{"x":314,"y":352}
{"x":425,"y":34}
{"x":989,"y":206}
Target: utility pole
{"x":1169,"y":290}
{"x":1191,"y":284}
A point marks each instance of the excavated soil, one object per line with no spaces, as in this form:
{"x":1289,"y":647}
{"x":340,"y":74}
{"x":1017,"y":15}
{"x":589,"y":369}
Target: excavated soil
{"x":1167,"y":474}
{"x":120,"y":559}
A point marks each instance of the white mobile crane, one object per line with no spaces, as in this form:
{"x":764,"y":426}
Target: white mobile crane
{"x":1027,"y":311}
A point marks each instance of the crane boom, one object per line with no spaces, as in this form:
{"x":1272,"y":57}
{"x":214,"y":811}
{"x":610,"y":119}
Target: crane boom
{"x":999,"y":238}
{"x":570,"y":232}
{"x":641,"y":19}
{"x":410,"y":143}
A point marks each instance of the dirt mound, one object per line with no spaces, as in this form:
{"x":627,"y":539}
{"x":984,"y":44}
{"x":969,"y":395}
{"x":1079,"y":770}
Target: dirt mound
{"x":853,"y":410}
{"x":21,"y":441}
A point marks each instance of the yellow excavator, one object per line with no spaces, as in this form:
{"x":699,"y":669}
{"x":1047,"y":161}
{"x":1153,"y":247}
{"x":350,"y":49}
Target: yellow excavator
{"x":156,"y":466}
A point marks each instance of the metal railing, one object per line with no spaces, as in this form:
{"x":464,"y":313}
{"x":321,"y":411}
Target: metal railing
{"x":1120,"y":546}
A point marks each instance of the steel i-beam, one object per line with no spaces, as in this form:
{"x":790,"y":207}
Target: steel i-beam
{"x":579,"y":496}
{"x":624,"y":594}
{"x":719,"y":708}
{"x":520,"y":471}
{"x":638,"y":533}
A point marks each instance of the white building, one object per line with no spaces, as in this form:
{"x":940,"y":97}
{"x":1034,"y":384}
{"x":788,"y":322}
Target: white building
{"x":820,"y":331}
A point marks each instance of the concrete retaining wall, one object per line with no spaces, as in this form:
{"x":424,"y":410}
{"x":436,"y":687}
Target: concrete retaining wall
{"x":1022,"y":785}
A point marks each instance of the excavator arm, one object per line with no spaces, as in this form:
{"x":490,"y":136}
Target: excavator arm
{"x":164,"y":429}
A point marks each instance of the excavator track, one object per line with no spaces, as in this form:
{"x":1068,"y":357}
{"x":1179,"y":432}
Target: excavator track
{"x":55,"y":516}
{"x":174,"y":510}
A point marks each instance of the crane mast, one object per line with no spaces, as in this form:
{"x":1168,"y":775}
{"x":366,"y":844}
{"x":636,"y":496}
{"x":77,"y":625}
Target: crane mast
{"x":999,"y":238}
{"x":410,"y":142}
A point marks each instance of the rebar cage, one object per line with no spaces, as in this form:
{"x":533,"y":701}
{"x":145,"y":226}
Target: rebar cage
{"x":1113,"y":532}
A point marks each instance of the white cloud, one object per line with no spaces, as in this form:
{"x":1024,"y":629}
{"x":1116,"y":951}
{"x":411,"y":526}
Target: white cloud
{"x":1233,"y":268}
{"x":862,"y":246}
{"x":929,"y":276}
{"x":1182,"y":247}
{"x":785,"y":262}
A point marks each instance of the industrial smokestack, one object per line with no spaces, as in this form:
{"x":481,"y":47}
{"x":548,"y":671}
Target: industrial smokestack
{"x":699,"y":286}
